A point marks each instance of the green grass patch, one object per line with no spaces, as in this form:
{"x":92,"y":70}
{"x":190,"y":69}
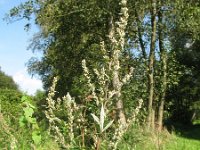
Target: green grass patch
{"x":182,"y":138}
{"x":185,"y":138}
{"x":182,"y":143}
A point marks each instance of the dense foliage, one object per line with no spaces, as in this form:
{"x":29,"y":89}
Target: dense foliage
{"x":6,"y":82}
{"x":126,"y":64}
{"x":10,"y":96}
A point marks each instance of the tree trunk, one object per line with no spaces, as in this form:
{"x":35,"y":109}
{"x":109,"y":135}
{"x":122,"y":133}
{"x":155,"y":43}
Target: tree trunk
{"x":140,"y":35}
{"x":151,"y":63}
{"x":121,"y":114}
{"x":160,"y":115}
{"x":163,"y":59}
{"x":193,"y":116}
{"x":153,"y":120}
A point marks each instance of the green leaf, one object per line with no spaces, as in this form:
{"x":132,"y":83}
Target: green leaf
{"x":102,"y":115}
{"x":108,"y":125}
{"x":24,"y":98}
{"x":28,"y":112}
{"x":35,"y":125}
{"x":96,"y":118}
{"x":31,"y":120}
{"x":36,"y":137}
{"x":22,"y":121}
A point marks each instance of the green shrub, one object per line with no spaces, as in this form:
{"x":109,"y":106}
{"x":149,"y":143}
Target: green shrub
{"x":6,"y":82}
{"x":10,"y":103}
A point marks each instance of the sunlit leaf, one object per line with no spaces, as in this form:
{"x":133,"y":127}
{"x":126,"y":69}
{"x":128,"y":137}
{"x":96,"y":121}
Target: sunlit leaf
{"x":22,"y":121}
{"x":102,"y":115}
{"x":96,"y":118}
{"x":108,"y":125}
{"x":28,"y":112}
{"x":36,"y":136}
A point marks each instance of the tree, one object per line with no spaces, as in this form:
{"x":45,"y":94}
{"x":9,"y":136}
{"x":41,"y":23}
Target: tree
{"x":185,"y":39}
{"x":6,"y":82}
{"x":10,"y":97}
{"x":72,"y":30}
{"x":187,"y":91}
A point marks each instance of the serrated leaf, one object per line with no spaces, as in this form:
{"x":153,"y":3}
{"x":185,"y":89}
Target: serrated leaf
{"x":108,"y":125}
{"x":96,"y":118}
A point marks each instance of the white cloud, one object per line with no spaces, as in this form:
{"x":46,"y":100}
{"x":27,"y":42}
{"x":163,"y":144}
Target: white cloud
{"x":26,"y":83}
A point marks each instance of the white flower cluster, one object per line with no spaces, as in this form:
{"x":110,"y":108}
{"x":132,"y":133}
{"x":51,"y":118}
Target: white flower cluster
{"x":135,"y":112}
{"x":49,"y":113}
{"x":89,"y":83}
{"x":68,"y":104}
{"x":51,"y":105}
{"x":119,"y":132}
{"x":105,"y":91}
{"x":117,"y":39}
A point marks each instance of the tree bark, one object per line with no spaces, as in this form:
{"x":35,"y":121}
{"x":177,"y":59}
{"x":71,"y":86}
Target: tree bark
{"x":140,"y":36}
{"x":163,"y":59}
{"x":151,"y":63}
{"x":121,"y":114}
{"x":153,"y":120}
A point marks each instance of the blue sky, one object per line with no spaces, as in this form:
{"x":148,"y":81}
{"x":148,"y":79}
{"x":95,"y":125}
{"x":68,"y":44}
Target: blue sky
{"x":14,"y":41}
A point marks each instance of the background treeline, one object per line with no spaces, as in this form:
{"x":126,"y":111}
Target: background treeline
{"x":158,"y":39}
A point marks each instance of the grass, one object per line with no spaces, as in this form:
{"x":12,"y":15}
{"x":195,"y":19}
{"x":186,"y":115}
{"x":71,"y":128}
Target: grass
{"x":182,"y":143}
{"x":137,"y":138}
{"x":181,"y":138}
{"x":185,"y":138}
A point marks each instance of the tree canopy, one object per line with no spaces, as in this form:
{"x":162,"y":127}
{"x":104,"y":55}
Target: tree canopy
{"x":7,"y":82}
{"x":71,"y":31}
{"x":125,"y":63}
